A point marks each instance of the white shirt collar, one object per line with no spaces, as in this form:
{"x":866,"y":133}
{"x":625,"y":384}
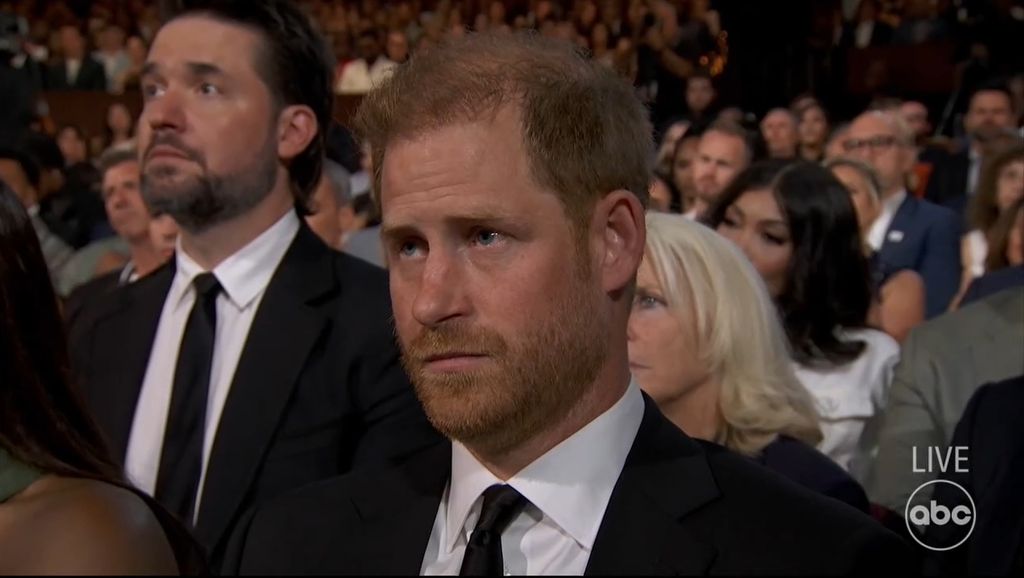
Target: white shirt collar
{"x":244,"y":275}
{"x":567,"y":484}
{"x":876,"y":235}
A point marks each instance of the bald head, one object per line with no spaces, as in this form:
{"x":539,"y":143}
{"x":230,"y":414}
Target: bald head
{"x":779,"y":128}
{"x":882,"y":140}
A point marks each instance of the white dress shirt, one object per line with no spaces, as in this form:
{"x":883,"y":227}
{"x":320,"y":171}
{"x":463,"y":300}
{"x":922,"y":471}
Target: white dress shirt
{"x":850,"y":399}
{"x":879,"y":229}
{"x":568,"y":489}
{"x":244,"y":278}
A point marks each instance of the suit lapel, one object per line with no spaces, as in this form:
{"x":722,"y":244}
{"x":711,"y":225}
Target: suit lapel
{"x":665,"y":477}
{"x":398,"y":512}
{"x":283,"y":332}
{"x":897,"y":232}
{"x":122,"y":343}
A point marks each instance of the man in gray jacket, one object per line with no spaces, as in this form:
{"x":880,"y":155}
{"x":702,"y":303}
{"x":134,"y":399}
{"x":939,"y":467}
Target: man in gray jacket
{"x":943,"y":362}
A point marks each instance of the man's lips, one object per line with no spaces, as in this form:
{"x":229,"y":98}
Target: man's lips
{"x":164,"y":151}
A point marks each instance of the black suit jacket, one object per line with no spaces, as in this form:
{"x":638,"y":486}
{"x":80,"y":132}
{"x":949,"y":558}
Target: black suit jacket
{"x":318,"y":390}
{"x":948,"y":182}
{"x":88,"y":293}
{"x":91,"y":76}
{"x":679,"y":507}
{"x":992,"y":428}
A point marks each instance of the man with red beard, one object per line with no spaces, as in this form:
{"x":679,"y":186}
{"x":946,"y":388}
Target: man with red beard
{"x":512,"y":176}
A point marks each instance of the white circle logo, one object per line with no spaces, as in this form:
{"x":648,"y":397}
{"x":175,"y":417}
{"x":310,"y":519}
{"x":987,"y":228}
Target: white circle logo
{"x":955,"y":524}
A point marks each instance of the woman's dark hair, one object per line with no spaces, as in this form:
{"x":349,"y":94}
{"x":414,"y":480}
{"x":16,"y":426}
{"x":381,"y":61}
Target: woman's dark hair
{"x":295,"y":64}
{"x":43,"y":422}
{"x":999,"y":240}
{"x":828,"y":281}
{"x":984,"y":211}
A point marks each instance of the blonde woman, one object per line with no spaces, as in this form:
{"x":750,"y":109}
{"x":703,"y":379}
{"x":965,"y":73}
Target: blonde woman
{"x":706,"y":344}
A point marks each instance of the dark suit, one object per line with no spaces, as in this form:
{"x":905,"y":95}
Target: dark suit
{"x":813,"y":470}
{"x":992,"y":428}
{"x":91,"y":76}
{"x":88,"y":293}
{"x":679,"y":507}
{"x":925,"y":238}
{"x":318,"y":390}
{"x":994,"y":282}
{"x":947,"y":184}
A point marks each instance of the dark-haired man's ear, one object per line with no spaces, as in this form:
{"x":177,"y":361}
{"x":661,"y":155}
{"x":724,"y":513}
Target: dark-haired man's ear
{"x":297,"y":127}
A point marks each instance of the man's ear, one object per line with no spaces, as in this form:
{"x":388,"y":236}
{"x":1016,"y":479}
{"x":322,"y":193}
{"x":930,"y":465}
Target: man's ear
{"x":296,"y":128}
{"x":619,"y":233}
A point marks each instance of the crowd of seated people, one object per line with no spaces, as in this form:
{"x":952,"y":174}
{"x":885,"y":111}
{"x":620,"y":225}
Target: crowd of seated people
{"x":817,"y":295}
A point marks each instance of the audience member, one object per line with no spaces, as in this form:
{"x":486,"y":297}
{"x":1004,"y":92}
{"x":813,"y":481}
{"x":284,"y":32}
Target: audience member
{"x":944,"y":361}
{"x":72,"y":145}
{"x":21,"y":174}
{"x":835,"y":147}
{"x":1000,"y":187}
{"x":993,"y":429}
{"x":367,"y":71}
{"x":130,"y":76}
{"x":813,"y":131}
{"x":955,"y":178}
{"x":723,"y":152}
{"x":682,"y":178}
{"x":64,"y":507}
{"x":700,"y":98}
{"x":870,"y":27}
{"x":899,"y":299}
{"x":1007,"y":249}
{"x":186,"y":370}
{"x":361,"y":231}
{"x":120,"y":127}
{"x":130,"y":219}
{"x":512,"y":283}
{"x":331,"y":194}
{"x":76,"y":69}
{"x":112,"y":55}
{"x":163,"y":234}
{"x":706,"y":344}
{"x":909,"y":233}
{"x":779,"y":129}
{"x":797,"y":225}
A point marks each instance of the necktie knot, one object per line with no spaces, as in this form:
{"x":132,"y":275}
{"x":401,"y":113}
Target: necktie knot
{"x":206,"y":285}
{"x":502,"y":503}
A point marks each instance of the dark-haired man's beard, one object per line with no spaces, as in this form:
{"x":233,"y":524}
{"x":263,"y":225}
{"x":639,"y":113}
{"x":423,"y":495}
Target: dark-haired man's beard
{"x":198,"y":201}
{"x":530,"y":381}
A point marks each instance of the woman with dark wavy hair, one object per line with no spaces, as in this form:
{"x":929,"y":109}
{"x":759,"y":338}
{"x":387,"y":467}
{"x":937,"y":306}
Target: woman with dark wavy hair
{"x":64,"y":504}
{"x":797,"y":225}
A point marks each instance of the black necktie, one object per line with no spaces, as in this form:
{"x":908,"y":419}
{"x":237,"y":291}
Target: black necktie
{"x":181,"y":461}
{"x":483,"y":553}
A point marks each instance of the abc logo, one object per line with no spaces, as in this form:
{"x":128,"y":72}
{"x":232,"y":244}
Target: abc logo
{"x":936,"y":526}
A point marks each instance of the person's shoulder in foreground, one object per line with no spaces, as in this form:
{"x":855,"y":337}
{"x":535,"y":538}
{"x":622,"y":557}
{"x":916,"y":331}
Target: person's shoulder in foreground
{"x":680,"y":506}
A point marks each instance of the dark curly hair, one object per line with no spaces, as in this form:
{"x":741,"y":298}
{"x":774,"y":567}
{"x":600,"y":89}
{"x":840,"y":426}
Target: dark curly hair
{"x":828,"y":281}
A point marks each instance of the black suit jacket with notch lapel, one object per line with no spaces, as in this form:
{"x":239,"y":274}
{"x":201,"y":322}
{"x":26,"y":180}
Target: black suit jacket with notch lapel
{"x":91,"y":76}
{"x":679,"y":507}
{"x":318,"y":390}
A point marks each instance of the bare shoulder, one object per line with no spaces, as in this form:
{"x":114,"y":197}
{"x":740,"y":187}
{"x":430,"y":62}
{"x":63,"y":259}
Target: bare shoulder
{"x":86,"y":526}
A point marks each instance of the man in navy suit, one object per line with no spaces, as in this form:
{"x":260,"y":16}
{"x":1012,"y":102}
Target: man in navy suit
{"x":909,"y":233}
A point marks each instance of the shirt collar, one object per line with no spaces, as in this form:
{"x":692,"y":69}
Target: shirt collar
{"x":566,"y":484}
{"x":244,"y":275}
{"x":892,"y":204}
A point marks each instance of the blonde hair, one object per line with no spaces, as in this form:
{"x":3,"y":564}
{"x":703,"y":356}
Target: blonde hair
{"x":739,"y":336}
